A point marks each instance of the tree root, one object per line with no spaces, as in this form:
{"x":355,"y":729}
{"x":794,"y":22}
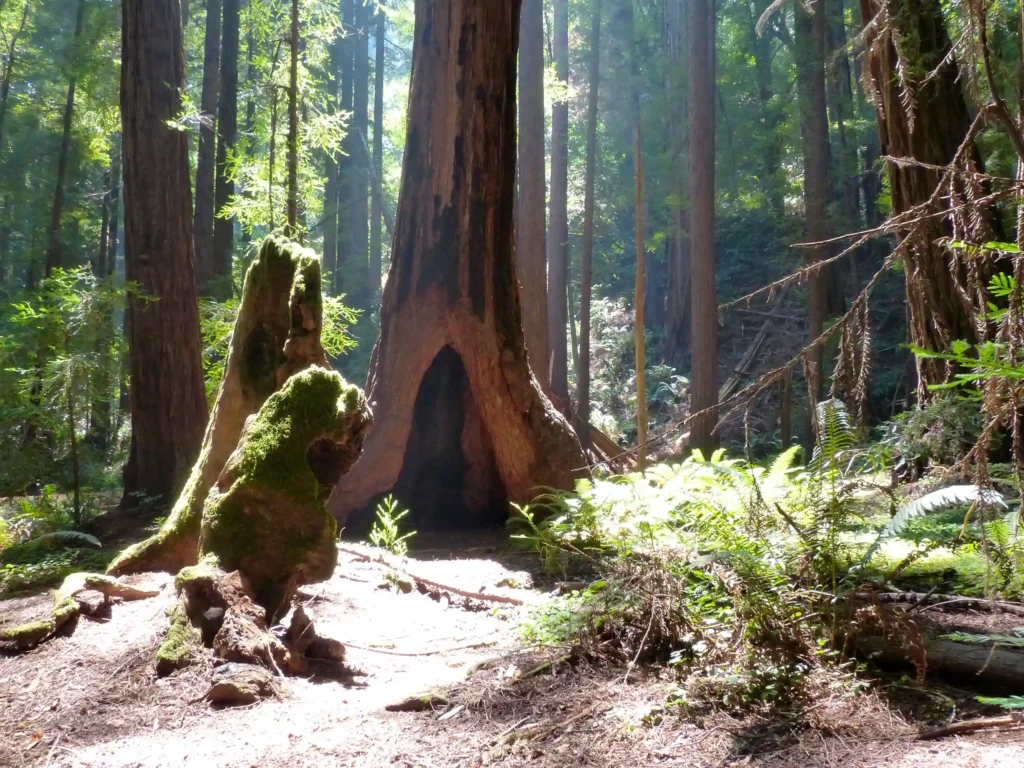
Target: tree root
{"x":79,"y":593}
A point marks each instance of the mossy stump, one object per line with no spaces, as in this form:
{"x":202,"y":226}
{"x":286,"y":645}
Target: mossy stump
{"x":266,"y":531}
{"x":276,"y":334}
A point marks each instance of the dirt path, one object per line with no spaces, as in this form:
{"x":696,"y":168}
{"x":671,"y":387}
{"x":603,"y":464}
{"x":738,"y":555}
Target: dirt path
{"x":92,"y":699}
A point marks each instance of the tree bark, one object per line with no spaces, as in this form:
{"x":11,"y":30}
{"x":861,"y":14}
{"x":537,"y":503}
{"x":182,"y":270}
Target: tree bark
{"x":810,"y":46}
{"x":704,"y":377}
{"x":677,"y":300}
{"x":330,"y":225}
{"x":376,"y":200}
{"x":99,"y":263}
{"x":293,"y":123}
{"x":769,"y":113}
{"x":558,"y":235}
{"x":940,"y":309}
{"x":168,"y":401}
{"x":5,"y":86}
{"x":227,"y":133}
{"x":359,"y":220}
{"x":115,"y":204}
{"x":203,"y":219}
{"x":54,"y":252}
{"x":451,"y":332}
{"x":531,"y":246}
{"x":587,"y":259}
{"x":342,"y":278}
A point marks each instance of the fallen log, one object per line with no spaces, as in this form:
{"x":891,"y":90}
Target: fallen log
{"x":934,"y":600}
{"x":989,"y":664}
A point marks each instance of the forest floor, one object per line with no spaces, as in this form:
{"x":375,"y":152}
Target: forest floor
{"x":92,"y":698}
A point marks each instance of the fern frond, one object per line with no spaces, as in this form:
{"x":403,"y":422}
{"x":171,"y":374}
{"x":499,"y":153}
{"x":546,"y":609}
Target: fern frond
{"x":1009,"y":702}
{"x":944,"y":498}
{"x":783,"y":462}
{"x":65,"y":537}
{"x":1007,"y":641}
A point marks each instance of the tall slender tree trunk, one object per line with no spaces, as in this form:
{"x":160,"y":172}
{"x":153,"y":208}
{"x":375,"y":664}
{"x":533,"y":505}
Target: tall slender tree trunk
{"x":5,"y":86}
{"x":359,"y":209}
{"x":293,"y":124}
{"x":330,"y":225}
{"x":462,"y":426}
{"x":99,"y":263}
{"x":704,"y":377}
{"x":205,"y":165}
{"x":769,"y":113}
{"x":376,"y":198}
{"x":531,"y":225}
{"x":587,"y":259}
{"x":115,"y":204}
{"x":558,"y":234}
{"x":168,"y":400}
{"x":342,"y":277}
{"x":54,"y":252}
{"x":810,"y":46}
{"x":677,"y":132}
{"x":227,"y":140}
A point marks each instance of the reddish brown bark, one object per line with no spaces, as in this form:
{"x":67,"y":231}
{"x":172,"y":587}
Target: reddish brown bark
{"x":531,"y":235}
{"x":677,"y":299}
{"x":168,"y":401}
{"x":704,"y":377}
{"x":939,"y":308}
{"x":451,"y":303}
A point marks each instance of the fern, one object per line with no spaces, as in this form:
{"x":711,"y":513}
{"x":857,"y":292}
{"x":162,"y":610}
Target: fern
{"x":1007,"y":641}
{"x":71,"y":538}
{"x":1010,"y":702}
{"x":954,"y":495}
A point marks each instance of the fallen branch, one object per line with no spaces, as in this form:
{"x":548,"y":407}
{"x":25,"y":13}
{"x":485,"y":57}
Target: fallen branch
{"x":428,"y":583}
{"x":933,"y":601}
{"x":971,"y":726}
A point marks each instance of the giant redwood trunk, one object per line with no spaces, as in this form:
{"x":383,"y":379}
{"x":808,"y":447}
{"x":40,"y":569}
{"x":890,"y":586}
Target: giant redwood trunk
{"x":461,"y":423}
{"x":940,"y":305}
{"x":168,"y":400}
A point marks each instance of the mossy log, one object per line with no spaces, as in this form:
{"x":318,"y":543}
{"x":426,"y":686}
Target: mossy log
{"x":276,"y":334}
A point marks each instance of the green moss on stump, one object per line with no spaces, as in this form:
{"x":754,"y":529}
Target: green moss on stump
{"x":179,"y":644}
{"x":277,"y":332}
{"x":268,"y":517}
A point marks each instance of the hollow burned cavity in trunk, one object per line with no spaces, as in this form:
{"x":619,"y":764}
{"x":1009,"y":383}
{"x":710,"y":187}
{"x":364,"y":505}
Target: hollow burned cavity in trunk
{"x":449,"y":479}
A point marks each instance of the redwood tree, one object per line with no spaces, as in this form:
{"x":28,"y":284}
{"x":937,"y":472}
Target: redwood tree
{"x":227,"y":133}
{"x":929,"y":132}
{"x":531,"y":254}
{"x":459,"y":419}
{"x":203,"y":219}
{"x":810,"y":43}
{"x":704,"y":377}
{"x":558,"y":236}
{"x":587,"y":265}
{"x":54,"y":253}
{"x":168,"y":401}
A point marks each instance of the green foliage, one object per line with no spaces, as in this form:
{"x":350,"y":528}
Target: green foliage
{"x":385,"y":532}
{"x":1008,"y":702}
